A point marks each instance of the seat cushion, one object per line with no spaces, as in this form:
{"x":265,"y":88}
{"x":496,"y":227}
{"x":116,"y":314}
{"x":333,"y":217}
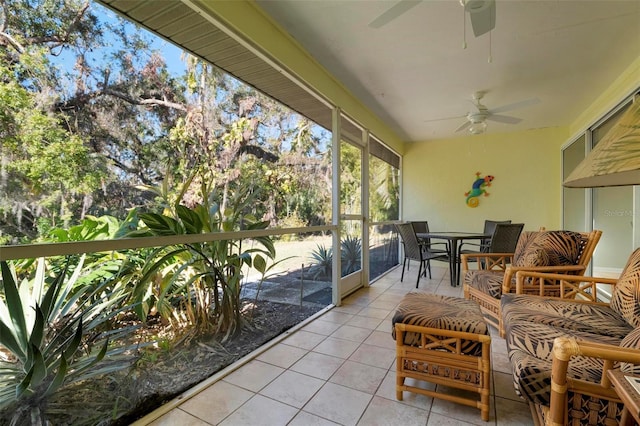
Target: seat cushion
{"x":626,"y":294}
{"x":487,"y":281}
{"x":440,"y":312}
{"x":567,"y":314}
{"x":530,"y":345}
{"x":548,"y":248}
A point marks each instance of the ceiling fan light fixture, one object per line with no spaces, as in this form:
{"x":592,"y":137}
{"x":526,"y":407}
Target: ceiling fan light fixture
{"x":478,"y":128}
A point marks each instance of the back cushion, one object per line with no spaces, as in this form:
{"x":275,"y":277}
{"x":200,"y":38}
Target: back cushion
{"x":526,"y":256}
{"x":625,"y":299}
{"x":548,"y":248}
{"x":632,"y":340}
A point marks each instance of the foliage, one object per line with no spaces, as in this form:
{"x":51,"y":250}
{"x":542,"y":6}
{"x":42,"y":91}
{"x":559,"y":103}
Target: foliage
{"x":322,"y":258}
{"x":350,"y":178}
{"x":384,"y":197}
{"x":350,"y":254}
{"x":80,"y":81}
{"x":198,"y":276}
{"x":350,"y":258}
{"x":43,"y":164}
{"x":55,"y":338}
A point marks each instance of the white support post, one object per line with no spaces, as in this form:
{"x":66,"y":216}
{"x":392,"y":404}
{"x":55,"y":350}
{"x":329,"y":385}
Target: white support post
{"x":365,"y":208}
{"x":335,"y":207}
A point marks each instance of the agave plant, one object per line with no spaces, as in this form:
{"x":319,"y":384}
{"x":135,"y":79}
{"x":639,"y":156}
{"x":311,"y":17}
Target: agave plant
{"x":350,"y":254}
{"x":350,"y":257}
{"x":53,"y":338}
{"x":322,"y":258}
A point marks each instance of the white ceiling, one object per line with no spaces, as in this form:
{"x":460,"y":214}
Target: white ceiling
{"x":414,"y":69}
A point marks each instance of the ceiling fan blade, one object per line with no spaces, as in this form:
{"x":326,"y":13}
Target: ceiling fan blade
{"x":445,"y":118}
{"x":504,"y":119}
{"x":482,"y":14}
{"x":393,"y":12}
{"x":464,"y":125}
{"x":516,"y":105}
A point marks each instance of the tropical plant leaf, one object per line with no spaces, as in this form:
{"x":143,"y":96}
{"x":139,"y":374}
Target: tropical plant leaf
{"x":39,"y":368}
{"x":8,"y":340}
{"x":58,"y":380}
{"x":161,"y":225}
{"x":95,"y":360}
{"x":50,"y":357}
{"x":37,"y":332}
{"x":14,"y":306}
{"x":23,"y":386}
{"x":52,"y":292}
{"x":260,"y":263}
{"x":75,"y":343}
{"x":190,"y":219}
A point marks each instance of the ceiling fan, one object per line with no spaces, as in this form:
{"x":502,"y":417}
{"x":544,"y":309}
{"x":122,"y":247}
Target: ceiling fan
{"x":481,"y":12}
{"x":476,"y":120}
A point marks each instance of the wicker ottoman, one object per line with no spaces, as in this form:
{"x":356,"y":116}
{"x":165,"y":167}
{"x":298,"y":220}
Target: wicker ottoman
{"x":443,"y":340}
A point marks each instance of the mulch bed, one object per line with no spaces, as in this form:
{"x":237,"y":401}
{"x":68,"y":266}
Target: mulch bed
{"x":124,"y":397}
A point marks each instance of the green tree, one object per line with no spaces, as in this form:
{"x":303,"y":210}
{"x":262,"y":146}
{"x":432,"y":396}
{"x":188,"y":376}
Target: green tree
{"x":104,"y":97}
{"x":43,"y":166}
{"x":384,"y":190}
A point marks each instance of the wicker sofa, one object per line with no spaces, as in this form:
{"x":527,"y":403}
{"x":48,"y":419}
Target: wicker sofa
{"x":560,"y":349}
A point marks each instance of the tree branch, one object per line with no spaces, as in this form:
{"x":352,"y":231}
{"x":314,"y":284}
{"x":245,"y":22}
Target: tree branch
{"x":61,"y":39}
{"x":129,"y":170}
{"x":258,"y":153}
{"x":7,"y":40}
{"x":144,"y":102}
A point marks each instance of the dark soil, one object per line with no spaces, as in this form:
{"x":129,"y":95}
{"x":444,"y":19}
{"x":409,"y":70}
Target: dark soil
{"x":162,"y":374}
{"x":190,"y":364}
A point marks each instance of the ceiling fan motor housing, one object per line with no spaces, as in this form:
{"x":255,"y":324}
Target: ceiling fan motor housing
{"x":475,"y":6}
{"x":478,"y":117}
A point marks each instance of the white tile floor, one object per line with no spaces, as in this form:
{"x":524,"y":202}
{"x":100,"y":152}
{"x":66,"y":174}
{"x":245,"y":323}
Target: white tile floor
{"x":340,"y":369}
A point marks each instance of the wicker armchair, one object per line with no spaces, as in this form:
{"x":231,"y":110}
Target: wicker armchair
{"x":561,"y":348}
{"x":562,"y":252}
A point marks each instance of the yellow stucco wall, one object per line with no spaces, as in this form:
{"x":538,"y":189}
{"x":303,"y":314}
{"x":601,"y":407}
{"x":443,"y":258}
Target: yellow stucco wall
{"x":526,"y":167}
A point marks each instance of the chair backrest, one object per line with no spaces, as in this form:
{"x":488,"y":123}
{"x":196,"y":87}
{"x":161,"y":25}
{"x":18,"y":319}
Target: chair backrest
{"x":489,"y":228}
{"x":505,"y":237}
{"x":410,"y":241}
{"x":490,"y":225}
{"x":420,"y":226}
{"x":588,"y":246}
{"x":556,"y":248}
